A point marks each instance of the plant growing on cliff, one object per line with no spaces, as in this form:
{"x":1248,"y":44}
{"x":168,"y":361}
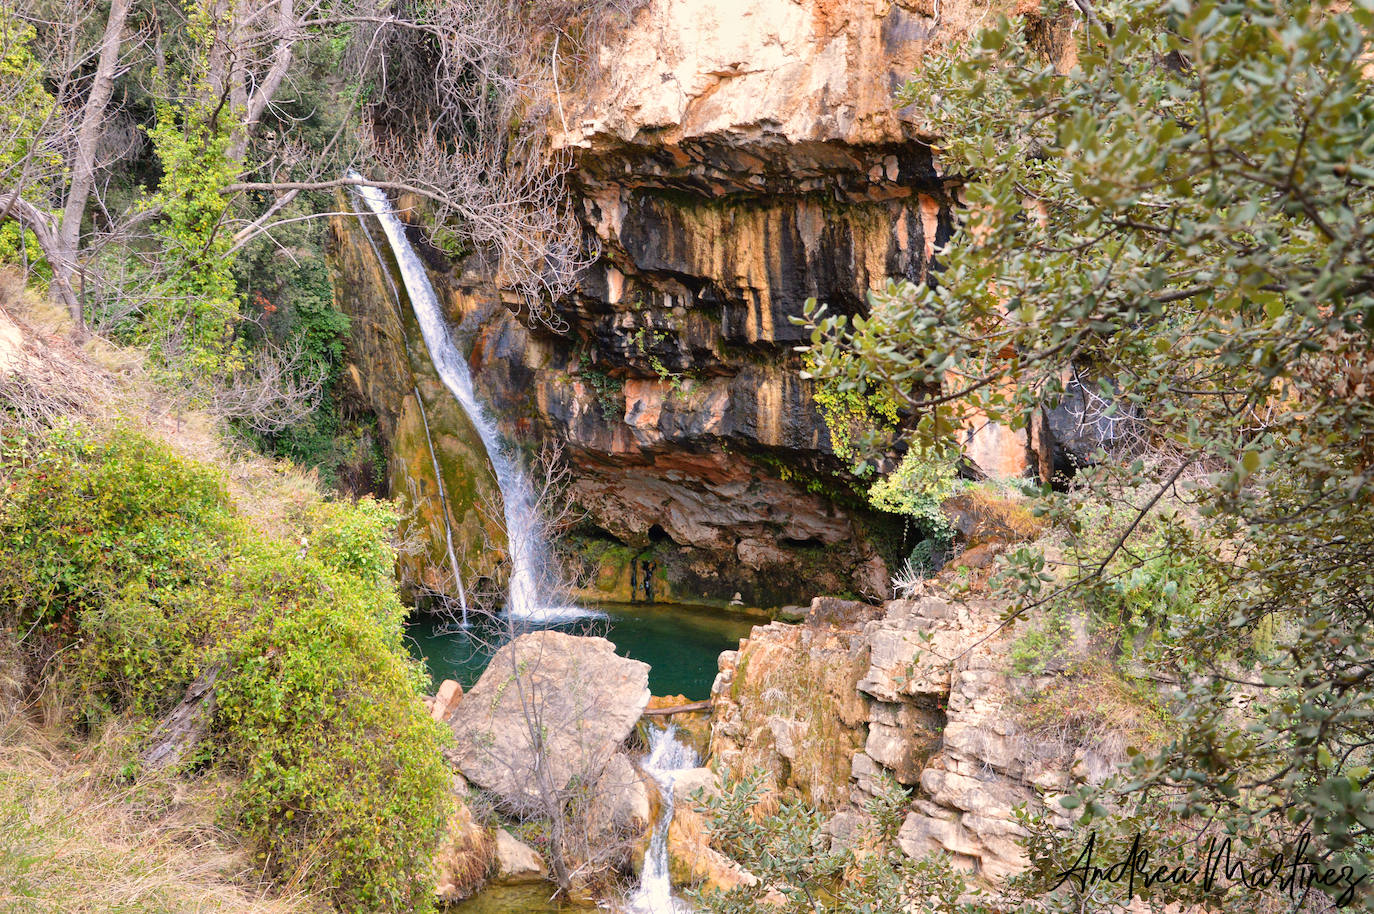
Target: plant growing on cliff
{"x":917,"y":489}
{"x":1183,"y":210}
{"x":859,"y":415}
{"x":793,"y":856}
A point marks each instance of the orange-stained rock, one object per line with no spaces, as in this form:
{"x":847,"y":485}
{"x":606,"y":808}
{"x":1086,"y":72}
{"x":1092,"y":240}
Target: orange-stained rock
{"x":446,"y":700}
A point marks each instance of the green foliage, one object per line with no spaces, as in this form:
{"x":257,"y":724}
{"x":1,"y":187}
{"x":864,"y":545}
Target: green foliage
{"x":28,"y":104}
{"x":355,"y":539}
{"x":791,"y":853}
{"x":1187,"y":217}
{"x":290,"y":307}
{"x":106,"y":544}
{"x":191,"y":326}
{"x":610,"y":393}
{"x":127,"y":566}
{"x":19,"y":247}
{"x":917,"y":489}
{"x":857,"y":413}
{"x":341,"y":771}
{"x":1043,"y":644}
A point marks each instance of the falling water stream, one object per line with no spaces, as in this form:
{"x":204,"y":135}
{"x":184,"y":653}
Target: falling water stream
{"x":529,"y":551}
{"x":528,"y":547}
{"x":667,"y":756}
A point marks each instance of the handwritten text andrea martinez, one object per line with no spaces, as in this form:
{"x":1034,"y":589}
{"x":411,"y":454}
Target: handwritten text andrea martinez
{"x":1290,"y":874}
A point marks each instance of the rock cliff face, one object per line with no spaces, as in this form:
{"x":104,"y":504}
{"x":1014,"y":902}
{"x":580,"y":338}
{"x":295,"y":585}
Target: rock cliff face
{"x":732,"y":159}
{"x":437,"y":464}
{"x":918,"y":690}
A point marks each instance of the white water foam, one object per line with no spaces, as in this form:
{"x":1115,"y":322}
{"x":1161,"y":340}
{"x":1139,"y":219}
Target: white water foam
{"x":667,"y":756}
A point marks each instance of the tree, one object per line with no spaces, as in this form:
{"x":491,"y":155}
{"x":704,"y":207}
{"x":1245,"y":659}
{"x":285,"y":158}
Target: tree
{"x":1181,"y":213}
{"x":448,"y":102}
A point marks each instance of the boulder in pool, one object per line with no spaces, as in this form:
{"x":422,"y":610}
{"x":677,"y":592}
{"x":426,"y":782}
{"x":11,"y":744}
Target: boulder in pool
{"x":550,"y":708}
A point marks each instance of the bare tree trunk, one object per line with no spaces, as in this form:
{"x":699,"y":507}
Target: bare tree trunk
{"x":45,"y":232}
{"x":66,"y":264}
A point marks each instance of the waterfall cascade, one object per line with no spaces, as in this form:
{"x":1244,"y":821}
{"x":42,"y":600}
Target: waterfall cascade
{"x":531,"y":568}
{"x":667,"y":756}
{"x":429,"y":442}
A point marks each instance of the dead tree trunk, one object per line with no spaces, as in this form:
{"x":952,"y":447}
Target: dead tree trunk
{"x":186,"y":725}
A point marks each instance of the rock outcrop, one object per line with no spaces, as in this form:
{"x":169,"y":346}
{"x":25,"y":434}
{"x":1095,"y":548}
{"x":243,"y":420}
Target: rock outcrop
{"x":550,"y":707}
{"x":919,"y":691}
{"x":465,"y":852}
{"x":731,"y":159}
{"x":517,"y":862}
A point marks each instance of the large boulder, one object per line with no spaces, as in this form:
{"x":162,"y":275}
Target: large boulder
{"x":549,"y":708}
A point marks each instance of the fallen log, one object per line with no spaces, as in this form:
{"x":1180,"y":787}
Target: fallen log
{"x":680,"y":709}
{"x":186,"y":725}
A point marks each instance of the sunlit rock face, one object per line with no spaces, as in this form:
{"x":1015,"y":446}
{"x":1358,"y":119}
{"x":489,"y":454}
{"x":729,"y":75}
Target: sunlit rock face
{"x":924,"y":692}
{"x":731,"y":159}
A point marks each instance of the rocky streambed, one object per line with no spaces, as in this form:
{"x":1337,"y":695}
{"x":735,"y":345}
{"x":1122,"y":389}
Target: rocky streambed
{"x":924,"y":691}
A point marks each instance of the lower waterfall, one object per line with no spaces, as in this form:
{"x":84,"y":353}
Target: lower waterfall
{"x":667,"y":756}
{"x":531,"y":572}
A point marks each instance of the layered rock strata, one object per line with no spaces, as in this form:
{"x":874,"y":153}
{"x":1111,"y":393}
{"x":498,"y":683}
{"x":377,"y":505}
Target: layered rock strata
{"x":918,"y":691}
{"x":730,"y":160}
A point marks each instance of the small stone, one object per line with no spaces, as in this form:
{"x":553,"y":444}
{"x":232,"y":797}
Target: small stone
{"x":446,"y":700}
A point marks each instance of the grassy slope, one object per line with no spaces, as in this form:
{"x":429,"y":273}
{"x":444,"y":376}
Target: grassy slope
{"x":75,"y":838}
{"x":75,"y":835}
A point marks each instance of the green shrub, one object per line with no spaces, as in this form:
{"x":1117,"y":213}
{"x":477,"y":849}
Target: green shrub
{"x":108,"y":545}
{"x":917,"y":489}
{"x":318,"y":705}
{"x":126,"y":565}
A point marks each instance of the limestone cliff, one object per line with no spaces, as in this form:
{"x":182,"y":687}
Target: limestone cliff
{"x":730,"y":159}
{"x":924,"y":691}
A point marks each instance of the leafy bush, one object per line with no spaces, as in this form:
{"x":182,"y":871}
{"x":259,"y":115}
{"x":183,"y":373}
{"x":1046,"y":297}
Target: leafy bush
{"x":917,"y":489}
{"x":106,"y":546}
{"x":319,"y":712}
{"x":125,"y":565}
{"x":1180,"y":203}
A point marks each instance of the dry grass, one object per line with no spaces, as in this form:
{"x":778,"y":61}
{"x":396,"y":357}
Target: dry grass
{"x":1091,"y":706}
{"x":466,"y":854}
{"x":1001,"y":514}
{"x":45,"y":376}
{"x":74,"y":837}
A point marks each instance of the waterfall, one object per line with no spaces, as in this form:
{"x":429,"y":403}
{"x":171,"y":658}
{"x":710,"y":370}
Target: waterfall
{"x":429,"y":440}
{"x":667,"y":756}
{"x":531,"y":566}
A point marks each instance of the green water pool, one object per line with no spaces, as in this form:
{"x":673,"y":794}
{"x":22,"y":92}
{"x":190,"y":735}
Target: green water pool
{"x":680,"y":643}
{"x":519,"y":899}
